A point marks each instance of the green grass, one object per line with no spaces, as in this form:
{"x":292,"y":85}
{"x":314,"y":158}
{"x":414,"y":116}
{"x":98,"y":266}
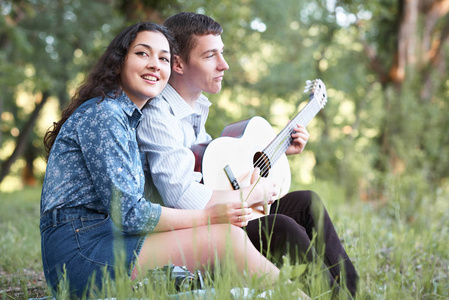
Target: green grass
{"x":20,"y":259}
{"x":399,"y":247}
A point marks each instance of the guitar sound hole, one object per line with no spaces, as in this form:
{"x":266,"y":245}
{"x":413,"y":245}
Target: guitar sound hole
{"x":261,"y":161}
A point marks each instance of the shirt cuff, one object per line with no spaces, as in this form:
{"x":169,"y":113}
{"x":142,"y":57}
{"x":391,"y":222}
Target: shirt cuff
{"x":155,"y":215}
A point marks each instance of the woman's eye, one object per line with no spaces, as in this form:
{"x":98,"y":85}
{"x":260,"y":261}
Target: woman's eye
{"x":166,"y":59}
{"x":142,"y":53}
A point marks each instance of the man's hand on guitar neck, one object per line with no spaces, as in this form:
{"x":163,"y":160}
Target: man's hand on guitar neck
{"x":300,"y":138}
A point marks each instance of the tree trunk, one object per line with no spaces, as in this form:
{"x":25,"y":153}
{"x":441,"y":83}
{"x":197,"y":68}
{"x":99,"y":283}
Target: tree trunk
{"x":434,"y":60}
{"x":405,"y":53}
{"x":23,"y":137}
{"x":30,"y":154}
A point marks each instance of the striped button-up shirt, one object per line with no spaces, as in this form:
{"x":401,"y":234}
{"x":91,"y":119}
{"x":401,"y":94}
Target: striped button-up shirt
{"x":169,"y":128}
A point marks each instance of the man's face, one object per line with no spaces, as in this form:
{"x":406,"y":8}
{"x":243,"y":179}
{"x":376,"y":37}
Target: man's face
{"x":205,"y":69}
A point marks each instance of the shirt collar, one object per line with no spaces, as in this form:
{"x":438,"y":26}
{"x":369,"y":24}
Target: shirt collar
{"x":180,"y":107}
{"x":129,"y":107}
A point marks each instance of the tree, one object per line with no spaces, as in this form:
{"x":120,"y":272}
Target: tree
{"x":52,"y":42}
{"x":407,"y":54}
{"x":383,"y":62}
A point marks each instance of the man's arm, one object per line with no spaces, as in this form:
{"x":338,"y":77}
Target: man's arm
{"x":161,"y":139}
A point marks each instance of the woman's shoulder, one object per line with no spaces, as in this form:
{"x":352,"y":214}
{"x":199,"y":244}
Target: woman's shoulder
{"x":97,"y":112}
{"x":107,"y":107}
{"x":104,"y":104}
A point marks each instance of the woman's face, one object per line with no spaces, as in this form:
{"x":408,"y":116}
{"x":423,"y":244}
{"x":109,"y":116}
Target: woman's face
{"x":146,"y":68}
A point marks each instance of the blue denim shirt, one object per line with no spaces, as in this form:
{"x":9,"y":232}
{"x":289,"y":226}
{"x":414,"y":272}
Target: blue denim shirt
{"x":95,"y":163}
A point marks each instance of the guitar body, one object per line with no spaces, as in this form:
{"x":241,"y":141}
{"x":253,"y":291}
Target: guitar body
{"x":239,"y":145}
{"x":253,"y":143}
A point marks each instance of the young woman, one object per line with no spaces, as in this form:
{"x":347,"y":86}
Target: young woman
{"x":92,"y":204}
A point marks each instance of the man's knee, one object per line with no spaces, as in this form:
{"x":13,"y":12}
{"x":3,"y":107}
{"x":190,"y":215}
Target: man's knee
{"x":282,"y":225}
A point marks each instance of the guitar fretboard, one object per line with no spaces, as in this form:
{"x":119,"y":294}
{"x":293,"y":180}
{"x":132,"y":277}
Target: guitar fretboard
{"x":283,"y":140}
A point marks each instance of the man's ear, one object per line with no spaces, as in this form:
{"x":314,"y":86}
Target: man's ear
{"x":178,"y":64}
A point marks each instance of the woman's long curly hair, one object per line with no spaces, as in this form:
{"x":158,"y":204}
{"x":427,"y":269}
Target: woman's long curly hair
{"x":104,"y":78}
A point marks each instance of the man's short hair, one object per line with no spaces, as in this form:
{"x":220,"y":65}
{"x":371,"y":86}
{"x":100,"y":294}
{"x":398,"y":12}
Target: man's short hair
{"x":186,"y":26}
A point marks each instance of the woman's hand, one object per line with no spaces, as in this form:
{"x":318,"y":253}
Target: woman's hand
{"x":234,"y":206}
{"x":300,"y":138}
{"x":262,"y":190}
{"x":236,"y":213}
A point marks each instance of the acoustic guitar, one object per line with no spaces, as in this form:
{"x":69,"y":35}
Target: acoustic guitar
{"x":227,"y":162}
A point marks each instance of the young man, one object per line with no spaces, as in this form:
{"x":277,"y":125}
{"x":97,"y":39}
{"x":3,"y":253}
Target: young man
{"x":175,"y":121}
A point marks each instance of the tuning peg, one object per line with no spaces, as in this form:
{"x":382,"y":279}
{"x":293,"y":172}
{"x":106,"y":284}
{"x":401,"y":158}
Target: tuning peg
{"x":309,"y":86}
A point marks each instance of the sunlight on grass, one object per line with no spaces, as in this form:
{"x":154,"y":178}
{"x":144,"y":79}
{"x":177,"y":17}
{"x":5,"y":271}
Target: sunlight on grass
{"x":11,"y":184}
{"x":397,"y":257}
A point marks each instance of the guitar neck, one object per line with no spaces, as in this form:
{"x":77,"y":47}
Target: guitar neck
{"x":283,"y":140}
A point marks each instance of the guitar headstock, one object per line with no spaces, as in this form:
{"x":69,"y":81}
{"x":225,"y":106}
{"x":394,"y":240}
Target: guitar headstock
{"x":317,"y":91}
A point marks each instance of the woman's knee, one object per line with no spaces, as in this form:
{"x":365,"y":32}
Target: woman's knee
{"x":230,"y":237}
{"x":237,"y":233}
{"x":223,"y":234}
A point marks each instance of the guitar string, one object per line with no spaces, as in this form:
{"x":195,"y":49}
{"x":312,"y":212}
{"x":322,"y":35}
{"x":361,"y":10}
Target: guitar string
{"x":303,"y":118}
{"x":281,"y":145}
{"x":310,"y":86}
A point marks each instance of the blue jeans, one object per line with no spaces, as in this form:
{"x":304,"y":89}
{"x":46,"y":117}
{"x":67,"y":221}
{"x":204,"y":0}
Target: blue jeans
{"x":86,"y":243}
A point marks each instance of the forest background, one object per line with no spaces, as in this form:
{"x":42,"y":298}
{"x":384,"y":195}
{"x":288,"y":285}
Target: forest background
{"x":382,"y":138}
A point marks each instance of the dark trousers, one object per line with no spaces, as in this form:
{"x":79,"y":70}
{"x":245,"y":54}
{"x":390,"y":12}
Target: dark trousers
{"x":294,"y":221}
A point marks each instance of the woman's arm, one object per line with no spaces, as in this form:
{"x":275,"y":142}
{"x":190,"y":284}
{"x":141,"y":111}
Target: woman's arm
{"x":173,"y":219}
{"x":109,"y":148}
